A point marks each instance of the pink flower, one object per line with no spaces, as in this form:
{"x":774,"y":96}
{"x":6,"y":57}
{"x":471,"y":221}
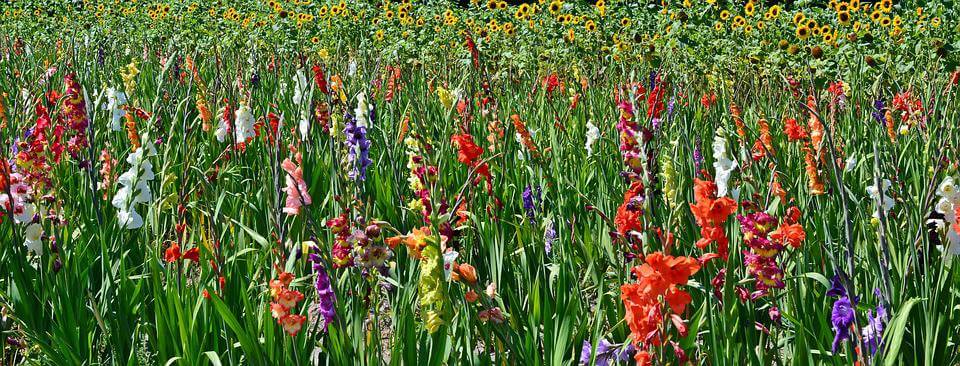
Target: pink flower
{"x":296,"y":189}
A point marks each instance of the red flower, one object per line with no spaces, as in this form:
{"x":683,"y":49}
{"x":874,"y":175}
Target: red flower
{"x":192,"y":254}
{"x":172,"y":254}
{"x":794,"y":130}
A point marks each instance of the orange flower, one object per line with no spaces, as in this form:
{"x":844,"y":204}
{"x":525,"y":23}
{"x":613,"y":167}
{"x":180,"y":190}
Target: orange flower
{"x":286,"y":278}
{"x":630,"y":214}
{"x":290,"y":298}
{"x":711,"y":213}
{"x":643,"y":358}
{"x":793,"y":130}
{"x":813,"y":176}
{"x":708,"y":209}
{"x":467,"y":273}
{"x":276,"y":287}
{"x":292,"y":323}
{"x":658,"y":277}
{"x":792,"y":234}
{"x":416,"y":241}
{"x":278,"y":311}
{"x":471,"y":296}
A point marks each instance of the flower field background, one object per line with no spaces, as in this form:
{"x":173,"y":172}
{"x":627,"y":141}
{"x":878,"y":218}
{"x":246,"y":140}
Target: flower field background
{"x":431,"y":183}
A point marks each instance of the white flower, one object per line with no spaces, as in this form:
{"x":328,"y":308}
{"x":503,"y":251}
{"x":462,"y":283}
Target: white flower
{"x":244,"y":123}
{"x":851,"y":163}
{"x":130,"y":219}
{"x":723,"y":165}
{"x":904,"y":129}
{"x":26,"y":212}
{"x":221,"y":132}
{"x":32,"y":238}
{"x":948,"y":190}
{"x":115,"y":100}
{"x":300,"y":85}
{"x":593,"y":133}
{"x":947,"y":209}
{"x":352,"y":68}
{"x":362,"y":112}
{"x":886,"y":202}
{"x":134,"y":187}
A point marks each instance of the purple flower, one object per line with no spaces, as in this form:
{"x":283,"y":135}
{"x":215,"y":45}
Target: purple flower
{"x":841,"y":318}
{"x":873,"y":332}
{"x":697,"y":157}
{"x":878,"y":113}
{"x":836,"y":287}
{"x":527,"y":197}
{"x":606,"y":352}
{"x":358,"y":147}
{"x":549,"y":236}
{"x":324,"y":292}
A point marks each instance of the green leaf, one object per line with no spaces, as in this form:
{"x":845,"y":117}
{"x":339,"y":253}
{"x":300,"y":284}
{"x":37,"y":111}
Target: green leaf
{"x":894,"y":334}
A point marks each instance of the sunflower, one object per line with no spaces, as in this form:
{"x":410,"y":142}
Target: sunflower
{"x":775,"y":11}
{"x":379,"y":34}
{"x":718,"y":26}
{"x":897,"y":21}
{"x":825,"y":28}
{"x":750,"y":8}
{"x":625,"y":22}
{"x":886,"y":5}
{"x":590,"y":26}
{"x":315,"y":40}
{"x":570,"y":35}
{"x":555,"y":7}
{"x":803,"y":32}
{"x":739,"y":21}
{"x":761,"y":25}
{"x":502,"y":5}
{"x":843,"y":17}
{"x":798,"y":17}
{"x":388,"y":15}
{"x":876,"y":15}
{"x":725,"y":14}
{"x":885,"y":21}
{"x":935,"y":22}
{"x":492,"y":4}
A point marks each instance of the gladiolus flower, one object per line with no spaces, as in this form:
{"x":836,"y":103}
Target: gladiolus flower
{"x":292,"y":323}
{"x":172,"y":254}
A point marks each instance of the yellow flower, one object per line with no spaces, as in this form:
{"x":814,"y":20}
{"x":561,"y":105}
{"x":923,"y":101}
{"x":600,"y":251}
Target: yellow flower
{"x":843,"y":17}
{"x":803,"y":32}
{"x":798,"y":17}
{"x":590,"y":26}
{"x":725,"y":14}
